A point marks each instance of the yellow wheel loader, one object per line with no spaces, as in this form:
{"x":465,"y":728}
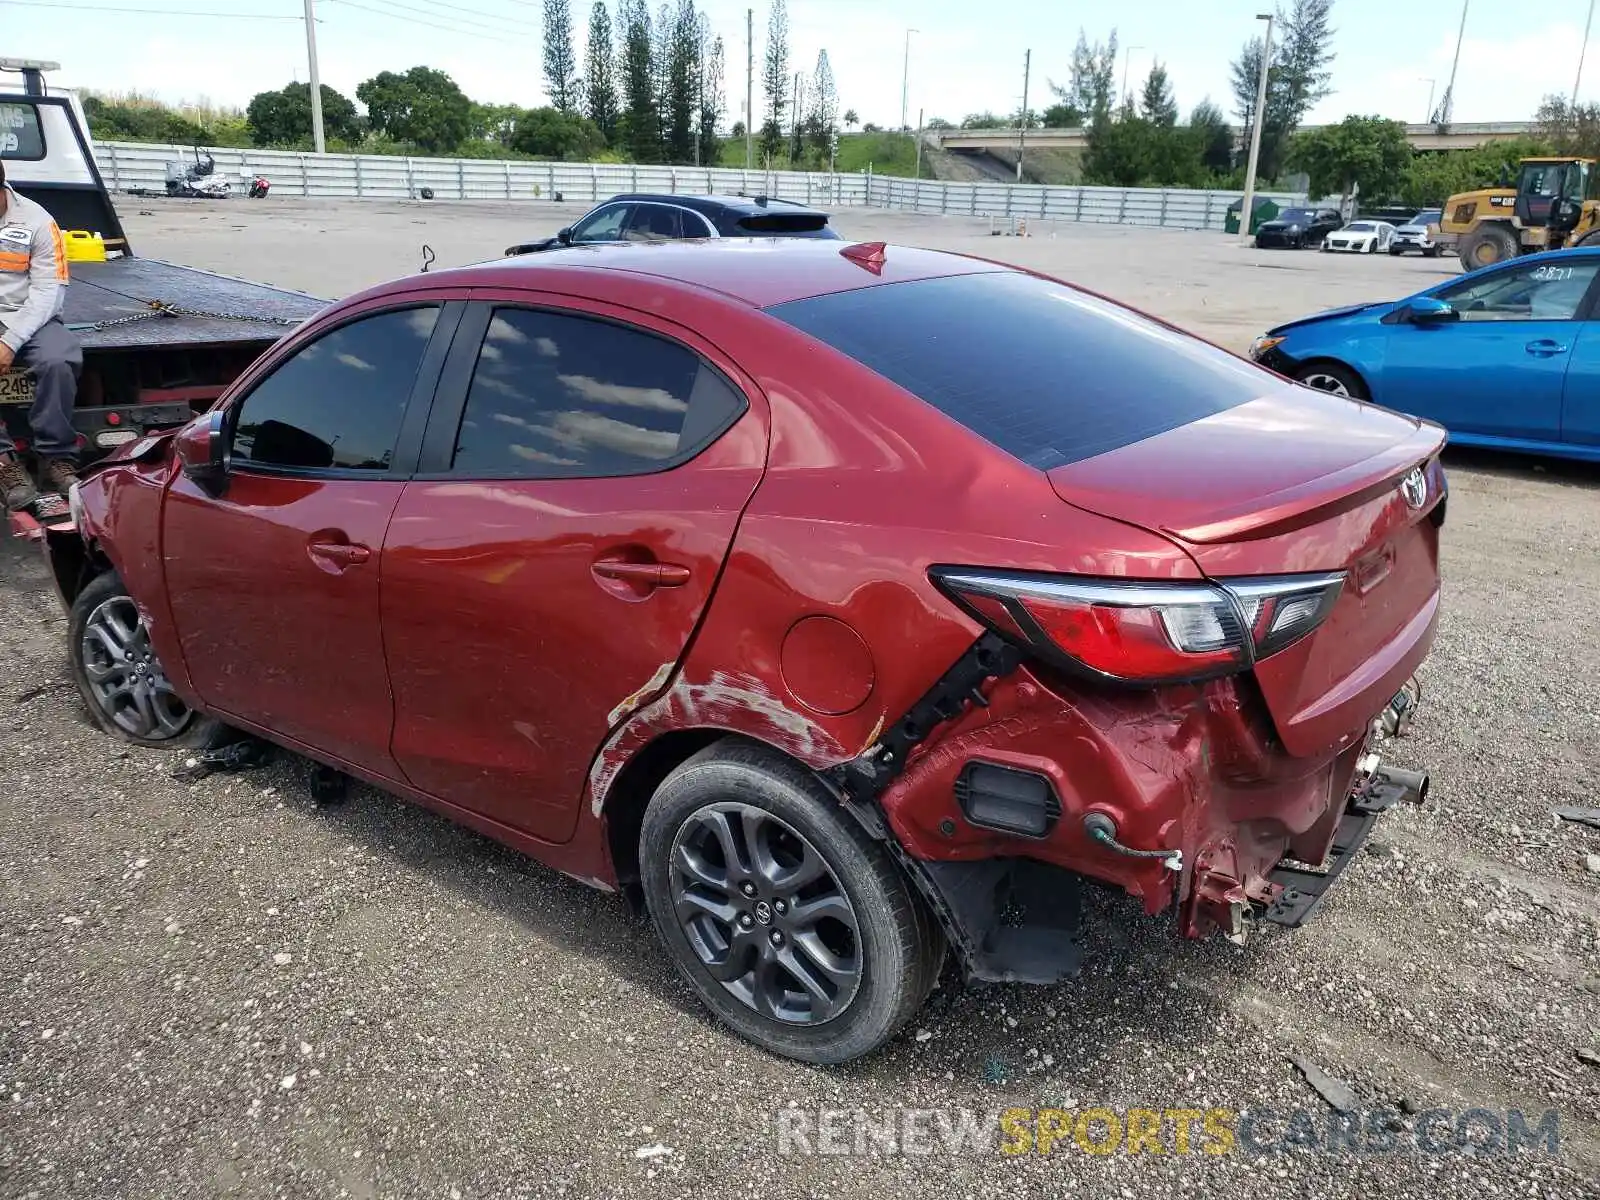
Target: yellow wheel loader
{"x":1553,"y":205}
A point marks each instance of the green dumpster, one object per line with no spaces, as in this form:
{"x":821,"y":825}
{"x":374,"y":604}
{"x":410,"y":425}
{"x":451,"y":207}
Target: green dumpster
{"x":1262,"y":210}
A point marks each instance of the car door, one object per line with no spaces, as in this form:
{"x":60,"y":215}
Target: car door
{"x":274,"y":579}
{"x":604,"y":224}
{"x":1500,"y":369}
{"x":1580,"y":396}
{"x":584,"y":471}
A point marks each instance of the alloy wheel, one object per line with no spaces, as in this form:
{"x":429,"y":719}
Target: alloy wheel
{"x":765,"y":914}
{"x":1323,"y":382}
{"x":125,"y":678}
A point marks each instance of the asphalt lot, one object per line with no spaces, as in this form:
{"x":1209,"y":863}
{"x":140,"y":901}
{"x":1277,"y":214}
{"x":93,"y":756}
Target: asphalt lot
{"x":216,"y":989}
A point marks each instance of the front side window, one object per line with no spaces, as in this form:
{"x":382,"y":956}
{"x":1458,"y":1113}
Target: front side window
{"x":556,"y":395}
{"x":336,"y":403}
{"x":603,"y":226}
{"x":1549,"y":291}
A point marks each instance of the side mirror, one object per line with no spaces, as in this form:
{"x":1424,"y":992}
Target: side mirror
{"x":564,"y":236}
{"x":202,"y":447}
{"x":1425,"y":310}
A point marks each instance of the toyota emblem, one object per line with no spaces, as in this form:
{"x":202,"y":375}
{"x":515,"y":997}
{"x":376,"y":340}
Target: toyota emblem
{"x":764,"y":912}
{"x":1414,"y":487}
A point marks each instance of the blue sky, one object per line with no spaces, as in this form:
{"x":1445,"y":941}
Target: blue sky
{"x":964,"y":58}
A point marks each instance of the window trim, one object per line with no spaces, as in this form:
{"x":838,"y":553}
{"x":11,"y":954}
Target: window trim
{"x":1586,"y":310}
{"x":711,"y":229}
{"x":413,"y":419}
{"x":436,"y":461}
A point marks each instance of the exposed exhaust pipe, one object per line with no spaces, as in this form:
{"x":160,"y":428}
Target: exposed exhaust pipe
{"x":1412,"y":784}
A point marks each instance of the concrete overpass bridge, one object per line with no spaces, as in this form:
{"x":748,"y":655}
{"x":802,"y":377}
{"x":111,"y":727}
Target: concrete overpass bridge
{"x":1458,"y":136}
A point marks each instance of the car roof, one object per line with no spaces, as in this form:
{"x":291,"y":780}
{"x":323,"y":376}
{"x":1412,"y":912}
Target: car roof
{"x":757,"y":271}
{"x":743,"y":205}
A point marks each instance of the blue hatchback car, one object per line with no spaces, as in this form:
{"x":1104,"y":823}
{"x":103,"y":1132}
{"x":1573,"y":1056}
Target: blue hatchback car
{"x":1506,"y":357}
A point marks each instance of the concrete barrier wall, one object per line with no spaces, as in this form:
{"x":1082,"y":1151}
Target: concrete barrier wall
{"x":126,"y":165}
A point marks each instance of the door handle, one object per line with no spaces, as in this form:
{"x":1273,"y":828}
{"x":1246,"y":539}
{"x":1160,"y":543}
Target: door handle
{"x":644,"y":574}
{"x":344,"y":554}
{"x":1544,"y":348}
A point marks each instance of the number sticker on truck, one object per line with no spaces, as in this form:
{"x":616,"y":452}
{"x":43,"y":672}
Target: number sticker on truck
{"x":1551,"y":274}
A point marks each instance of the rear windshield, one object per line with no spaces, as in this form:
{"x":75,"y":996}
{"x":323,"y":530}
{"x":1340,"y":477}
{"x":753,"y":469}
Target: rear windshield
{"x":1047,"y":373}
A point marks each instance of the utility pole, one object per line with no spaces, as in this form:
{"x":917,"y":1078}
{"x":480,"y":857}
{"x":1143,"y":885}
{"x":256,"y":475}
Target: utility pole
{"x":317,"y":140}
{"x":1127,"y":61}
{"x":700,"y":90}
{"x":1447,"y":105}
{"x":918,"y":174}
{"x":905,"y":81}
{"x":1258,"y":119}
{"x":794,"y":124}
{"x":1582,"y":50}
{"x":1022,"y":125}
{"x":1433,"y":86}
{"x":749,"y":88}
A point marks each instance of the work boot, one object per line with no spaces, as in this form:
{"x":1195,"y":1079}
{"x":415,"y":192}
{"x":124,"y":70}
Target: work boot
{"x":57,"y":475}
{"x":16,"y":488}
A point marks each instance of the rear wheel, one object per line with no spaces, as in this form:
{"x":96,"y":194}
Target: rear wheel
{"x":1490,"y":244}
{"x":792,"y":925}
{"x":119,"y":677}
{"x":1333,"y":377}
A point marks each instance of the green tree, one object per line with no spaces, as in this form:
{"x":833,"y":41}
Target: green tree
{"x":823,"y":119}
{"x":497,"y":123}
{"x":851,"y":119}
{"x":711,"y":101}
{"x":1366,"y":153}
{"x":283,"y":117}
{"x":1091,"y":87}
{"x":775,"y":78}
{"x":984,"y":120}
{"x":550,"y":133}
{"x":1433,"y":177}
{"x":599,"y":75}
{"x":680,"y":109}
{"x":641,"y":118}
{"x":1298,"y":77}
{"x":1061,"y":116}
{"x":422,"y":108}
{"x":1570,"y":129}
{"x":560,"y":60}
{"x":1156,"y":102}
{"x":1212,"y":137}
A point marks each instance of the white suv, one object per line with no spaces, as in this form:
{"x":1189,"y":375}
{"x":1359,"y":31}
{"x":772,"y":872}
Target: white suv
{"x":1420,"y":233}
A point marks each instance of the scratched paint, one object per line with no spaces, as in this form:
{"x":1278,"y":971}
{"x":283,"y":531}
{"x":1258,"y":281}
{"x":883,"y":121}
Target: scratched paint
{"x":650,"y":688}
{"x":728,"y":700}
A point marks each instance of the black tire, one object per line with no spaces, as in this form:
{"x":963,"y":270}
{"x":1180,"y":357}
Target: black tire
{"x":1589,"y":239}
{"x":1324,"y":374}
{"x":146,"y":712}
{"x":885,"y":947}
{"x":1395,"y":252}
{"x":1433,"y":251}
{"x":1492,"y":243}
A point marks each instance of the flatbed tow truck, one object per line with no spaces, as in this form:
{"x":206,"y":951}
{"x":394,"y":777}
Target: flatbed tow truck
{"x":161,"y":342}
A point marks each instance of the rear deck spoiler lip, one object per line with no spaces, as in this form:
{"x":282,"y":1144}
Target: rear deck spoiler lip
{"x":1353,"y":485}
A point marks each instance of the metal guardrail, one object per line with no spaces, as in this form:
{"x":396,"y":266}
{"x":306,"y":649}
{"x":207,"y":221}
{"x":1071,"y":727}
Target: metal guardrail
{"x":126,"y":165}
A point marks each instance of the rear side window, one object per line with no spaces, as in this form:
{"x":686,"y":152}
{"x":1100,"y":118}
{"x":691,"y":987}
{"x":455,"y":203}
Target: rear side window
{"x":20,"y":134}
{"x":1047,"y":373}
{"x":337,"y":402}
{"x":561,"y":396}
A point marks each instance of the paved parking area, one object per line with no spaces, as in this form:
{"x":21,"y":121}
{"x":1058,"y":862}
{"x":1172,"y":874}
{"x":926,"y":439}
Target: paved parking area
{"x":215,"y":989}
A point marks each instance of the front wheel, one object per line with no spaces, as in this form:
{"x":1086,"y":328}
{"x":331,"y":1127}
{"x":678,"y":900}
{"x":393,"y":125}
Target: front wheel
{"x":1333,"y":377}
{"x":1493,"y":243}
{"x":119,"y":677}
{"x":792,"y":925}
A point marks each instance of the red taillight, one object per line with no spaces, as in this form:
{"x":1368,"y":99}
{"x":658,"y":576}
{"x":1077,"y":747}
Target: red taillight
{"x":1145,"y":632}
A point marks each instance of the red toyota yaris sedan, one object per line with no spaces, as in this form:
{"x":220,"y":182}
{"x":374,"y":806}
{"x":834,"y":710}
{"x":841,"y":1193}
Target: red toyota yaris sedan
{"x":849,"y":605}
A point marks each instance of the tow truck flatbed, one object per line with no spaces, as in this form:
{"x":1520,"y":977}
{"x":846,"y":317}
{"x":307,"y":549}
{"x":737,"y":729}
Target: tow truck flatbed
{"x":112,"y":306}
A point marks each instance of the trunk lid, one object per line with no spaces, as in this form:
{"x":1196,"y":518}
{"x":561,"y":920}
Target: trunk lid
{"x":1293,"y":482}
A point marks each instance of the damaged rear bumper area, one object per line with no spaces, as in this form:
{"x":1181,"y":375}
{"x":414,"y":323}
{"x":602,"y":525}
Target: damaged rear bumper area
{"x":1001,"y":796}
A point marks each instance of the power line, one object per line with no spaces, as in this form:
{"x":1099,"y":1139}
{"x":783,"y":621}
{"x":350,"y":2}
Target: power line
{"x":158,"y":12}
{"x":405,"y":13}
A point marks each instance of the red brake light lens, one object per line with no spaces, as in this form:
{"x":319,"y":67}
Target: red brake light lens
{"x":1145,"y":632}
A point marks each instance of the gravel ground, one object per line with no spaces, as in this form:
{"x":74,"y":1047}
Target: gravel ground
{"x":217,"y":989}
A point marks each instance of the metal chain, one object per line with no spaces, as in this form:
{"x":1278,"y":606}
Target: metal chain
{"x":160,"y":308}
